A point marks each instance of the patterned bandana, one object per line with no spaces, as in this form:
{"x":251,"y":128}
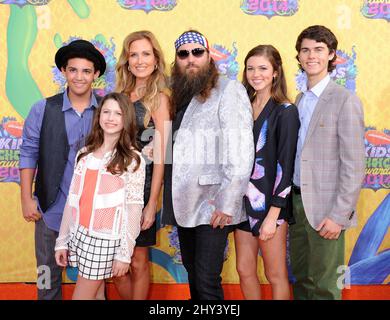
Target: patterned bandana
{"x":191,"y":37}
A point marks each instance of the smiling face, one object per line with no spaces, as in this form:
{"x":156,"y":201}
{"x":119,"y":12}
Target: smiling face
{"x":260,"y":73}
{"x":79,"y":74}
{"x":142,"y":60}
{"x":111,"y":118}
{"x":314,"y":58}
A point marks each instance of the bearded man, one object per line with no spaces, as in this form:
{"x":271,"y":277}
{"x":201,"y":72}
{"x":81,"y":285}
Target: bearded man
{"x":211,"y":163}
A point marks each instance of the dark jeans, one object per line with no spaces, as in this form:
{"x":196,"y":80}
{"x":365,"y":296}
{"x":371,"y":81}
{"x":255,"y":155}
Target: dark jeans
{"x":49,"y":273}
{"x":202,"y":251}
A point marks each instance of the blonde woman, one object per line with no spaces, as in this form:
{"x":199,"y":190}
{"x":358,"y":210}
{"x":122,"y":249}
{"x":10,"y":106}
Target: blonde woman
{"x":140,"y":74}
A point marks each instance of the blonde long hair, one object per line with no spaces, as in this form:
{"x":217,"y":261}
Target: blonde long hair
{"x":157,"y":82}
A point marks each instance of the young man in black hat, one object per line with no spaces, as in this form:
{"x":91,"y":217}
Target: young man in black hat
{"x":53,"y":132}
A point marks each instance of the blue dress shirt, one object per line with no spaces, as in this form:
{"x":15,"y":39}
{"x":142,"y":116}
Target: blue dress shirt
{"x":77,"y":127}
{"x":306,"y":108}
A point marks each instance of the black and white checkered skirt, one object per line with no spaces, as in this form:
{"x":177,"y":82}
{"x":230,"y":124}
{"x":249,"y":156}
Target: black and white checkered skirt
{"x":92,"y":256}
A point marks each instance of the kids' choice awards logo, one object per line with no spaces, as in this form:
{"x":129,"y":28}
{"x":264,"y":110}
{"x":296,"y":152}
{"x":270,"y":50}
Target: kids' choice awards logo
{"x":225,"y":60}
{"x":376,"y":9}
{"x":270,"y":8}
{"x":344,"y":74}
{"x":148,"y":5}
{"x":10,"y":141}
{"x":104,"y":84}
{"x":22,"y":3}
{"x":377,"y":159}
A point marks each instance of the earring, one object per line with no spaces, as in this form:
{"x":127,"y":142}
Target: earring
{"x":128,"y":68}
{"x":155,"y":67}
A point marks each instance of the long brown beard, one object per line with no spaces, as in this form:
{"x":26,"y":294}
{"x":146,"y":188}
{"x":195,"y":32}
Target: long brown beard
{"x":186,"y":86}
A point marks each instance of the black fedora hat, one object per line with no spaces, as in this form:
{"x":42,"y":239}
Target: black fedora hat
{"x":80,"y":49}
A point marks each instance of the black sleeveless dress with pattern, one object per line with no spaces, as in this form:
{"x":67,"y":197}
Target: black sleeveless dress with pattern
{"x":144,"y":135}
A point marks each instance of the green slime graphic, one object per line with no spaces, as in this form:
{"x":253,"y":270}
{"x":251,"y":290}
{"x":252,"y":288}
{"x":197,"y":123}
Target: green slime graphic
{"x":57,"y":40}
{"x":80,"y":7}
{"x":21,"y":89}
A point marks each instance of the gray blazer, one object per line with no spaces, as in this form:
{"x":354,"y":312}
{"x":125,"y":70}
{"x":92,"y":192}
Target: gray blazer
{"x":333,"y":158}
{"x":213,"y":156}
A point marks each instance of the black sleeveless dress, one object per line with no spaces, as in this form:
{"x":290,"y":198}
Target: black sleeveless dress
{"x":144,"y":135}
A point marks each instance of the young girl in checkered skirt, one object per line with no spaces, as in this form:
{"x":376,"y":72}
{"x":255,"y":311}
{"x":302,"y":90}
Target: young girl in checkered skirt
{"x":102,"y":215}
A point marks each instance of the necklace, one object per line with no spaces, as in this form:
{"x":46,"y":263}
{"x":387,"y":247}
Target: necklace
{"x":258,"y":106}
{"x":257,"y":109}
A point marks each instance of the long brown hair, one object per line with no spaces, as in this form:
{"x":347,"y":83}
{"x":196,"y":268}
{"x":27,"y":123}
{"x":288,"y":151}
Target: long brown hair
{"x":125,"y":147}
{"x":279,"y":84}
{"x":157,"y":82}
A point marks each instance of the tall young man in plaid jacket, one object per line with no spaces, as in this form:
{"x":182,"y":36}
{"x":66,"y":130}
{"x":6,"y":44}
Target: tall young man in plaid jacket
{"x":329,"y":169}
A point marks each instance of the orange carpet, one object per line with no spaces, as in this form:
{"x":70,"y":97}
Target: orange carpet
{"x":22,"y":291}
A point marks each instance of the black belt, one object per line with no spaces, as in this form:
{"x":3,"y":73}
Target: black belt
{"x":296,"y":189}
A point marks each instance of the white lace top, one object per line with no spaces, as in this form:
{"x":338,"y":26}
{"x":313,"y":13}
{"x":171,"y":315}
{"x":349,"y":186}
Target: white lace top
{"x":117,"y":204}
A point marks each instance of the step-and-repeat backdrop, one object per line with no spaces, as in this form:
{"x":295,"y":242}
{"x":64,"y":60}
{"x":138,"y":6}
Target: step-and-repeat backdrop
{"x":31,"y":31}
